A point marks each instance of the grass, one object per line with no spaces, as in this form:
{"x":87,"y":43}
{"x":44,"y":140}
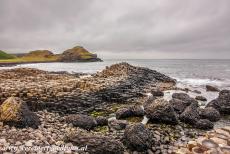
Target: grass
{"x":4,"y":56}
{"x":30,"y":59}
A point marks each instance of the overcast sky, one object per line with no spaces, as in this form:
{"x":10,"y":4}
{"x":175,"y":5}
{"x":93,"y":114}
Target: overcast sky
{"x":118,"y":28}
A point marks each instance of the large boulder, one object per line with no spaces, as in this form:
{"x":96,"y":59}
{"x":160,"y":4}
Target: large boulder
{"x":137,"y":137}
{"x":222,"y":103}
{"x":161,"y":111}
{"x":190,"y":114}
{"x":209,"y":113}
{"x":96,"y":144}
{"x":82,"y":121}
{"x":16,"y":113}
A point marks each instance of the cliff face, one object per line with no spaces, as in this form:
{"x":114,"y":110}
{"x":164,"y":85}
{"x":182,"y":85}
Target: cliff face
{"x":78,"y":53}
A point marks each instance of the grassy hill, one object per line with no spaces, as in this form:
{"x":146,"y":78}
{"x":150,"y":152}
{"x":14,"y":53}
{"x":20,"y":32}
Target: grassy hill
{"x":76,"y":54}
{"x":4,"y":55}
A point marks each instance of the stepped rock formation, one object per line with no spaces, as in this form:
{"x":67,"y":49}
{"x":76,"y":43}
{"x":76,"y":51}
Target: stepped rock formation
{"x":69,"y":94}
{"x":15,"y":112}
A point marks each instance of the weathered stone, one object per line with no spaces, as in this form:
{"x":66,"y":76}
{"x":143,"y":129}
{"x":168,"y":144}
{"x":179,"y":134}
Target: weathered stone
{"x":179,"y":105}
{"x":15,"y":112}
{"x":82,"y":121}
{"x":137,"y":137}
{"x":161,"y":111}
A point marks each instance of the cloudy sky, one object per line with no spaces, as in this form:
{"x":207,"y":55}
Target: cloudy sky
{"x":118,"y":28}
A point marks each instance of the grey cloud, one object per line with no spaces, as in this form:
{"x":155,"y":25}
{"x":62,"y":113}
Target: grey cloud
{"x":119,"y":28}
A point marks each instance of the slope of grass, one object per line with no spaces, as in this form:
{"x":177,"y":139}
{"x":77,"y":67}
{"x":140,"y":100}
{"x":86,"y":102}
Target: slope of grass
{"x":4,"y":55}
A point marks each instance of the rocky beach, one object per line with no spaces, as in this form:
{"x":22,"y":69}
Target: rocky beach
{"x":121,"y":109}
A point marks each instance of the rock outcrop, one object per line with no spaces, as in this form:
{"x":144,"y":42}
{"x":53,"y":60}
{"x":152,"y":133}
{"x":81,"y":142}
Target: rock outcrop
{"x":137,"y":137}
{"x":161,"y":111}
{"x":15,"y":112}
{"x":222,"y":103}
{"x":78,"y":53}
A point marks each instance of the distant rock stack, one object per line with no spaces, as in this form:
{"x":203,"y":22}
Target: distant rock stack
{"x":78,"y":53}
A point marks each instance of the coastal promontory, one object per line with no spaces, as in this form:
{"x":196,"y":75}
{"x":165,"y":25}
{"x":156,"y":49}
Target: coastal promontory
{"x":75,"y":54}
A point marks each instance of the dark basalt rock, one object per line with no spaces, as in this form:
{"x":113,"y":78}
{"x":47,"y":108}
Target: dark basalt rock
{"x":201,"y":98}
{"x":137,"y":110}
{"x":15,"y":112}
{"x":161,"y":111}
{"x":222,"y":103}
{"x":82,"y":121}
{"x":123,"y":113}
{"x":190,"y":114}
{"x":209,"y":113}
{"x":101,"y":121}
{"x":96,"y":144}
{"x":137,"y":137}
{"x":179,"y":105}
{"x":212,"y":88}
{"x":204,"y":124}
{"x":181,"y":96}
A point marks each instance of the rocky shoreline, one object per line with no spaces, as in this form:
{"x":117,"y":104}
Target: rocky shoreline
{"x":118,"y":110}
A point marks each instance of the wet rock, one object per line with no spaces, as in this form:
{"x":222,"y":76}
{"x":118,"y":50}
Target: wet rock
{"x":15,"y":112}
{"x":161,"y":111}
{"x":101,"y":121}
{"x":82,"y":121}
{"x":204,"y":124}
{"x":201,"y":98}
{"x":117,"y":124}
{"x":137,"y":137}
{"x":96,"y":144}
{"x":209,"y":113}
{"x":212,"y":88}
{"x":157,"y":93}
{"x":222,"y":103}
{"x":190,"y":114}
